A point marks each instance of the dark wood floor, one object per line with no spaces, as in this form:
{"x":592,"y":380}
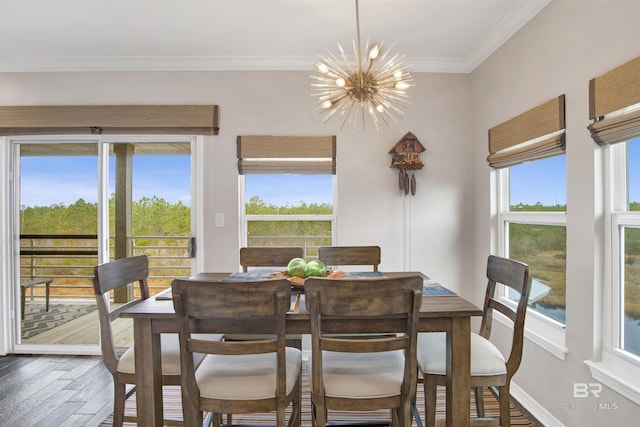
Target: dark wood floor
{"x":54,"y":391}
{"x":70,"y":391}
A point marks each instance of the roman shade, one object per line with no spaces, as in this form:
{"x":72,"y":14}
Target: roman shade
{"x":269,"y":154}
{"x":109,"y":119}
{"x":616,"y":91}
{"x":534,"y":134}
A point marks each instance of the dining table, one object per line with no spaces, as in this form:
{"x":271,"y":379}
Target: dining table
{"x":442,"y":311}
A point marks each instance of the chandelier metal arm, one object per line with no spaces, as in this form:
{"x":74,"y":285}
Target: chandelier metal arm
{"x":375,"y":86}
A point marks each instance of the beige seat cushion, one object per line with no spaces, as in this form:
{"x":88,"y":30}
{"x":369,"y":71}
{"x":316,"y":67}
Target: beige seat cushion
{"x":362,"y":375}
{"x":486,"y":359}
{"x":170,"y":354}
{"x":245,"y":377}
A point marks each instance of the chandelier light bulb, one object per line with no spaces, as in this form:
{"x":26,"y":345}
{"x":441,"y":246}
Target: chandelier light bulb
{"x":373,"y":53}
{"x":371,"y":88}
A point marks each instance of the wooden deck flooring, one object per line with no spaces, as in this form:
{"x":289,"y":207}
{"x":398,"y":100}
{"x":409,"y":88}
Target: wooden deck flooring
{"x":84,"y":330}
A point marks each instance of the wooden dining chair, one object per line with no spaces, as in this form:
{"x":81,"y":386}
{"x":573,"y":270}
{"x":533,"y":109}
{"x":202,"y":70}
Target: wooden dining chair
{"x":488,"y":365}
{"x":268,"y":256}
{"x":350,"y":255}
{"x":363,"y":373}
{"x":121,"y":361}
{"x":237,"y":377}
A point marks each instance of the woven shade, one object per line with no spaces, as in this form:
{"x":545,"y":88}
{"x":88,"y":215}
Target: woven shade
{"x":612,"y":92}
{"x":535,"y":134}
{"x":260,"y":154}
{"x":109,"y":119}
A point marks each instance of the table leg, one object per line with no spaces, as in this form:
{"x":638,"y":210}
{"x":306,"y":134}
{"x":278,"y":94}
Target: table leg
{"x":458,"y":372}
{"x":148,"y":374}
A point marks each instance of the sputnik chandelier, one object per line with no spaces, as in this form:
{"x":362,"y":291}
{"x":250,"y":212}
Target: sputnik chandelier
{"x":375,"y":87}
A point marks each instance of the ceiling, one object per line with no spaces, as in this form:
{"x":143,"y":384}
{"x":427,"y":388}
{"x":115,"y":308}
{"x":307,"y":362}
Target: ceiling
{"x":106,"y":35}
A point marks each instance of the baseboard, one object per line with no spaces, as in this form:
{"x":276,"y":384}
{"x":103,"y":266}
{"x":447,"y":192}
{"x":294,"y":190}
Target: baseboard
{"x":537,"y":413}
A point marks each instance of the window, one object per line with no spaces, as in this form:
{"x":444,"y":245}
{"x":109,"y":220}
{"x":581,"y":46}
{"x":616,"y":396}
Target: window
{"x":289,"y":210}
{"x":626,"y":232}
{"x":615,"y":111}
{"x":624,"y":304}
{"x":621,"y":334}
{"x":533,"y":225}
{"x":528,"y":155}
{"x":536,"y":234}
{"x":287,"y":191}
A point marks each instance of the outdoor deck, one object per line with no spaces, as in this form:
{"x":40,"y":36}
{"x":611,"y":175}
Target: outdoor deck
{"x":69,"y":321}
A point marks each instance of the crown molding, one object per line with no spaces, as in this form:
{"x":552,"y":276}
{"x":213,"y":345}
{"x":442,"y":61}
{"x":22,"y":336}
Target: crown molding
{"x":510,"y":25}
{"x":227,"y":63}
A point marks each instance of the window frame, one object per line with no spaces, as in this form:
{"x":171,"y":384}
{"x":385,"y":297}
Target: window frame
{"x":546,"y":332}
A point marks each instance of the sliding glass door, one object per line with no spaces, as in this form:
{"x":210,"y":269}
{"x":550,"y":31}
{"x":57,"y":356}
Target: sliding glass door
{"x":80,"y":202}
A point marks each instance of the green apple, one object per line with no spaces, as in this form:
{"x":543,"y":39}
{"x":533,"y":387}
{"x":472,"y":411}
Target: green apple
{"x":315,"y":268}
{"x":296,"y":267}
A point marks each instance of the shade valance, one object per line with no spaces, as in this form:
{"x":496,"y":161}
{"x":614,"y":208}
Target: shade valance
{"x":259,"y":154}
{"x":611,"y":100}
{"x":109,"y":119}
{"x":538,"y":133}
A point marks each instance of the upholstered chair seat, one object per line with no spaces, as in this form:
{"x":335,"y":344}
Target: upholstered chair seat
{"x":170,"y":355}
{"x":247,"y":377}
{"x":362,"y":376}
{"x":486,"y":358}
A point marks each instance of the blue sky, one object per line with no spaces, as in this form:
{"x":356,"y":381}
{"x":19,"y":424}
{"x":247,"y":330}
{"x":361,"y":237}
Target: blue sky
{"x":54,"y":180}
{"x":541,"y":181}
{"x":281,"y":190}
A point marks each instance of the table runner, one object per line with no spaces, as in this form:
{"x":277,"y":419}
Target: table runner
{"x":430,"y":288}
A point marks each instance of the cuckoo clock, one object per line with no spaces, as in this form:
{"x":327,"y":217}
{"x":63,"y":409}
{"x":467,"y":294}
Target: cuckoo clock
{"x":405,"y":156}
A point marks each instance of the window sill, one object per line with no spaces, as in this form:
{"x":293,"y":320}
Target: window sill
{"x":618,"y":373}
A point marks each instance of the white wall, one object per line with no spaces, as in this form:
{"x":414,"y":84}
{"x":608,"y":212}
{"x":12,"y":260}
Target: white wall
{"x":372,"y":210}
{"x":559,"y":51}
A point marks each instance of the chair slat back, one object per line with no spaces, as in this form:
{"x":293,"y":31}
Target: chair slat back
{"x":373,"y":297}
{"x":350,"y":255}
{"x":221,"y":306}
{"x":121,"y":272}
{"x":268,"y":256}
{"x":379,"y":301}
{"x":515,"y":275}
{"x":110,"y":276}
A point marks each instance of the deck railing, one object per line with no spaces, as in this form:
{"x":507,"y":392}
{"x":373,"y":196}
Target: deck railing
{"x":69,"y":259}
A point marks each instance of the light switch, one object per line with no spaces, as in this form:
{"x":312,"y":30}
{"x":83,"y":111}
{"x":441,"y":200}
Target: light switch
{"x":219,"y":221}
